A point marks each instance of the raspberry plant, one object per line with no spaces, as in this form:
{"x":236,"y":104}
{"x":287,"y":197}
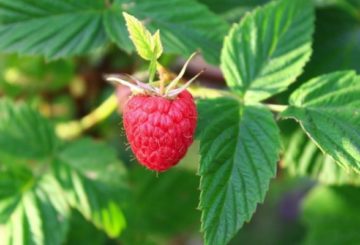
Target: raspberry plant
{"x":55,"y":178}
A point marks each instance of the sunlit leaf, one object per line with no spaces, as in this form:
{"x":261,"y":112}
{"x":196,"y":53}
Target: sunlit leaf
{"x":85,"y":180}
{"x":39,"y":209}
{"x":24,"y":133}
{"x":327,"y":107}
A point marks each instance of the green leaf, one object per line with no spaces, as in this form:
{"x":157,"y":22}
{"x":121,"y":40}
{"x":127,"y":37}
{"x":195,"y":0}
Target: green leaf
{"x":37,"y":26}
{"x":85,"y":180}
{"x":24,"y":133}
{"x":327,"y":108}
{"x":192,"y":26}
{"x":115,"y":28}
{"x":52,"y":29}
{"x":332,"y":215}
{"x":266,"y":52}
{"x":303,"y":158}
{"x":141,"y":37}
{"x":38,"y":211}
{"x":239,"y":148}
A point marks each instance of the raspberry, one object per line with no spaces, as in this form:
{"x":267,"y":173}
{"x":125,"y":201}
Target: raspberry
{"x":159,"y":129}
{"x":159,"y":121}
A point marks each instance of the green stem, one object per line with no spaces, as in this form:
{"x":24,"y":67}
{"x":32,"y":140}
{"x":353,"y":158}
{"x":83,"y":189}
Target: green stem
{"x":276,"y":108}
{"x":213,"y":93}
{"x":152,"y":70}
{"x":204,"y":92}
{"x":73,"y":129}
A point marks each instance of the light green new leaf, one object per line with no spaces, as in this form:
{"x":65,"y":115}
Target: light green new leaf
{"x":332,"y":216}
{"x":24,"y":133}
{"x":85,"y":179}
{"x":327,"y":107}
{"x":156,"y":44}
{"x":52,"y":29}
{"x":140,"y":36}
{"x":191,"y":27}
{"x":38,"y":211}
{"x":303,"y":158}
{"x":239,"y":148}
{"x":268,"y":49}
{"x":147,"y":46}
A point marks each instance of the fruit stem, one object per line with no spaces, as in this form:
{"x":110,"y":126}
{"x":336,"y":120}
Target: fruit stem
{"x":162,"y":86}
{"x":164,"y":74}
{"x":74,"y":128}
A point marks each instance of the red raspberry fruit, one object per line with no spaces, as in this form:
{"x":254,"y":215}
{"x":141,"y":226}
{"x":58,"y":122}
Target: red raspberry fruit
{"x":159,"y":129}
